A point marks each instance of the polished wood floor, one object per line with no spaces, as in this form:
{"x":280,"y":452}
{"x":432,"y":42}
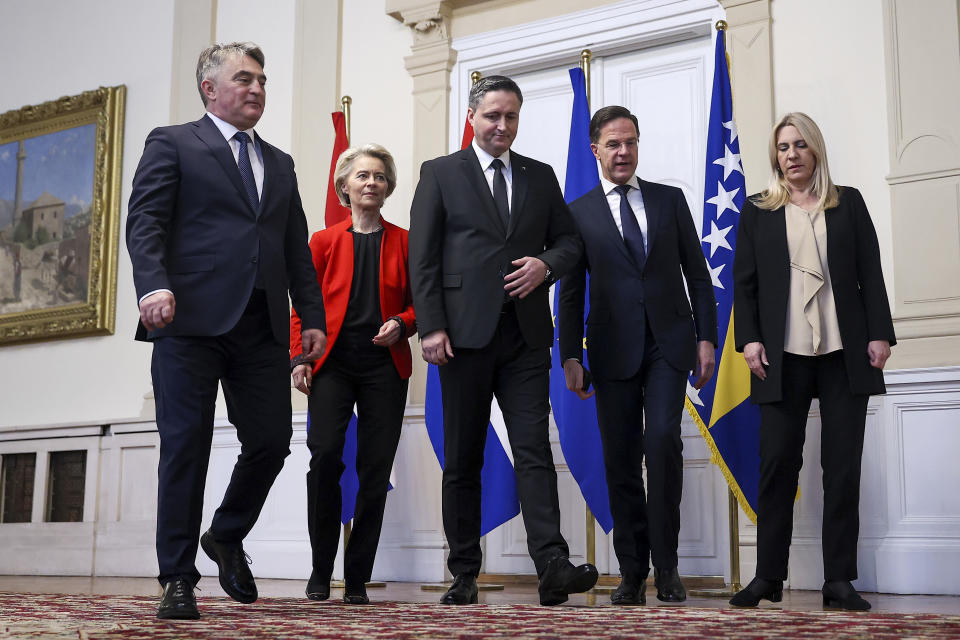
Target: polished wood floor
{"x":413,"y":592}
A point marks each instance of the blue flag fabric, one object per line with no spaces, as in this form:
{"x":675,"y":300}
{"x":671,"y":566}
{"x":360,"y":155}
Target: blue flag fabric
{"x":577,"y":419}
{"x":722,"y":410}
{"x":498,"y":494}
{"x":349,"y":481}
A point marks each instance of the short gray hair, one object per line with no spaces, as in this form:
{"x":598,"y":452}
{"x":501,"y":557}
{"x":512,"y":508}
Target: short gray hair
{"x":213,"y":57}
{"x":350,"y":156}
{"x":492,"y":83}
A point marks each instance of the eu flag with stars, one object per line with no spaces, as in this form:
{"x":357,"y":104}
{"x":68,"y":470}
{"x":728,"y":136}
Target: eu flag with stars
{"x":722,"y":410}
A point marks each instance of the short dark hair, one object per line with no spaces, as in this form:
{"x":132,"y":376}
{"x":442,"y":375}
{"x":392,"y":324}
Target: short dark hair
{"x":607,"y":114}
{"x":492,"y":83}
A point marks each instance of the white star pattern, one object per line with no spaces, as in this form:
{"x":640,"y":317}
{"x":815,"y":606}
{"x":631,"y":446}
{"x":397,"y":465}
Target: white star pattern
{"x":715,"y":275}
{"x":732,"y":128}
{"x":694,"y":395}
{"x":730,"y":162}
{"x":724,"y":200}
{"x":717,"y":237}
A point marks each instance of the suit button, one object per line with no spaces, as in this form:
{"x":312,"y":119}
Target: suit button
{"x":253,"y":260}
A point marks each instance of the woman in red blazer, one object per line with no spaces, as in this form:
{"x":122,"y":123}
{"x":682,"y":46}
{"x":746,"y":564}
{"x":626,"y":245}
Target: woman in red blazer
{"x":361,"y":264}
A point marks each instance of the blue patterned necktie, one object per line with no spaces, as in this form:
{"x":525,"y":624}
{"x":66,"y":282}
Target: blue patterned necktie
{"x":246,"y":171}
{"x":632,"y":235}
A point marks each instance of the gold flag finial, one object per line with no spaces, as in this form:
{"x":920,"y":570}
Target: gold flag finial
{"x":475,"y":77}
{"x":721,"y":25}
{"x":345,"y":103}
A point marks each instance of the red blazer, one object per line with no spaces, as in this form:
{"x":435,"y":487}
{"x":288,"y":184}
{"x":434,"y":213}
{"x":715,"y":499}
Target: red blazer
{"x":332,"y":250}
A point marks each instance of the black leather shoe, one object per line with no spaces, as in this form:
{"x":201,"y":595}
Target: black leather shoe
{"x":758,"y":589}
{"x":233,"y":563}
{"x":561,"y":578}
{"x":840,"y":594}
{"x":177,"y":602}
{"x":630,"y":592}
{"x":317,"y":588}
{"x":669,"y":587}
{"x":353,"y":594}
{"x":462,"y":591}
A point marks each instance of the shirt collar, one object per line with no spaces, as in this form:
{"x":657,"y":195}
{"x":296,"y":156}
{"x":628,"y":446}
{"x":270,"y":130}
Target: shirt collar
{"x":485,"y":158}
{"x":610,"y":186}
{"x":227,"y":130}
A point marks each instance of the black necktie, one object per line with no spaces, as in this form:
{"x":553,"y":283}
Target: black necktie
{"x":246,"y":171}
{"x":500,"y":192}
{"x":632,"y":235}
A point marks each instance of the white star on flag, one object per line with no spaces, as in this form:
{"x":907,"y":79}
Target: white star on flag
{"x":715,"y":274}
{"x":732,"y":128}
{"x":694,"y":395}
{"x":730,"y":162}
{"x":724,"y":200}
{"x":717,"y":237}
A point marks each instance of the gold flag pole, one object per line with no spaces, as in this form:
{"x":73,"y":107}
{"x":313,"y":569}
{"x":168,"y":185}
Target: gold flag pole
{"x":733,"y":509}
{"x":345,"y":103}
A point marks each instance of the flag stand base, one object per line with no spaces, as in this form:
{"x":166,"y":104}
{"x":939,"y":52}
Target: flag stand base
{"x":376,"y":584}
{"x":728,"y":591}
{"x":443,"y":586}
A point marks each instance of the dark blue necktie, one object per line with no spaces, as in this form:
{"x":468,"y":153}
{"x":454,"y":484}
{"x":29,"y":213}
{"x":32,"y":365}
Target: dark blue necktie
{"x":632,"y":235}
{"x":246,"y":171}
{"x":500,"y":192}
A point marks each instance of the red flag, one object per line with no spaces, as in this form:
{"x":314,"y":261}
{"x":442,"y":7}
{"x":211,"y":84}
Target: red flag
{"x":467,"y":134}
{"x":336,"y":212}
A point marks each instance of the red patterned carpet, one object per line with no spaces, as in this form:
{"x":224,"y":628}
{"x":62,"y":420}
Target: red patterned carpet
{"x":53,"y":617}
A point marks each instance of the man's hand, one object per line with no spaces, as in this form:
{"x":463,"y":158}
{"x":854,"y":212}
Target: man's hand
{"x":157,"y":309}
{"x":756,"y":357}
{"x":436,"y":347}
{"x":528,"y":277}
{"x":573,"y":372}
{"x":389,"y":333}
{"x":303,"y":377}
{"x":706,"y":361}
{"x":879,"y":351}
{"x":314,"y":342}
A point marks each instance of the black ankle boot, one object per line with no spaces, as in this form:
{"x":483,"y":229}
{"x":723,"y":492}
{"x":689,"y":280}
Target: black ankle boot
{"x":840,"y":594}
{"x":758,"y":589}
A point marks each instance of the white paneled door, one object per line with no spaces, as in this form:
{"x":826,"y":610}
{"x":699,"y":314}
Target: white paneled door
{"x":668,"y":88}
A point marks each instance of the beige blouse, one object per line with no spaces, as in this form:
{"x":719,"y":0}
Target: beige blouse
{"x":812,"y":327}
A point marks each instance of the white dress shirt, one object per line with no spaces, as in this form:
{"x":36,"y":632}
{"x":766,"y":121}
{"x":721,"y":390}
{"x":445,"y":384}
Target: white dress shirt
{"x":256,"y":163}
{"x":635,"y":200}
{"x":486,"y":160}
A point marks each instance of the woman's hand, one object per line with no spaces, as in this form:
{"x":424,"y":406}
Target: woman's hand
{"x":303,"y":377}
{"x":879,"y":351}
{"x":756,"y":357}
{"x":389,"y":333}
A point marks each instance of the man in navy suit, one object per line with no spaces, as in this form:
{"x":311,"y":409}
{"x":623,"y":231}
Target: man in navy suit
{"x":640,"y":244}
{"x":217,"y":237}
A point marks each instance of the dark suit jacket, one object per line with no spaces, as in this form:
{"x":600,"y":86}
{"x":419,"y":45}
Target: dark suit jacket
{"x":761,"y":273}
{"x":622,"y":296}
{"x":332,"y":251}
{"x":459,"y":250}
{"x":191,"y":229}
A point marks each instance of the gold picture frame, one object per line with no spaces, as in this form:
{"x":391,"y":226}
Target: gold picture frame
{"x":60,"y":173}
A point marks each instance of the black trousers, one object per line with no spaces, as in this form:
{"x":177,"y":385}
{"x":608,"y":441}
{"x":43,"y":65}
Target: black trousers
{"x":640,"y":417}
{"x":782,"y":432}
{"x":519,"y":377}
{"x":380,"y":395}
{"x":254,"y":372}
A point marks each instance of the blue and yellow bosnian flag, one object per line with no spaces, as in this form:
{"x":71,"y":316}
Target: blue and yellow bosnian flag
{"x":722,"y":410}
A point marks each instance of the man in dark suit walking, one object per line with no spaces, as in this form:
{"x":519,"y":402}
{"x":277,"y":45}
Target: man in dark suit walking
{"x":489,"y":233}
{"x":640,"y":244}
{"x":217,"y":237}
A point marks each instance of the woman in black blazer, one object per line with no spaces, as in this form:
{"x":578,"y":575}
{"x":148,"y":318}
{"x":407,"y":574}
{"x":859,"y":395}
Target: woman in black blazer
{"x":813,"y":321}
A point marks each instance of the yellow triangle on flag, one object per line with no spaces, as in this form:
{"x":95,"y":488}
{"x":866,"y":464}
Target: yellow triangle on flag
{"x":733,"y":378}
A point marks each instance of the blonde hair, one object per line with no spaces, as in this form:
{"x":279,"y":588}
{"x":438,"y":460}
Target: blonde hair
{"x":777,"y":194}
{"x":345,"y":166}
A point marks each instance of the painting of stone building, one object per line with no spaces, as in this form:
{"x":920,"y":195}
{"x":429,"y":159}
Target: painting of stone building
{"x":46,"y":194}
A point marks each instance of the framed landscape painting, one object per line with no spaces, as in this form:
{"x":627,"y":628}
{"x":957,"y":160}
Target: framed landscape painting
{"x":59,"y":216}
